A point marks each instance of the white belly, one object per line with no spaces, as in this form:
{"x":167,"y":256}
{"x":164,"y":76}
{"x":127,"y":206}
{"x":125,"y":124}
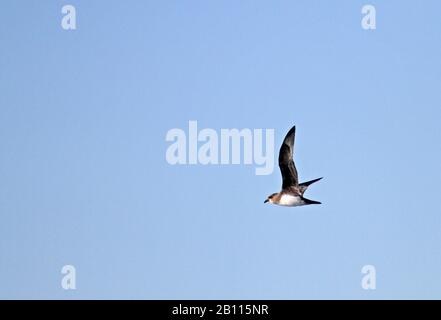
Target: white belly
{"x":290,"y":201}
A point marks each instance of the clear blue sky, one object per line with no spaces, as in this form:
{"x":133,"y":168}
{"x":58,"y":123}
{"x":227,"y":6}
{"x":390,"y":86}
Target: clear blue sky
{"x":83,"y":176}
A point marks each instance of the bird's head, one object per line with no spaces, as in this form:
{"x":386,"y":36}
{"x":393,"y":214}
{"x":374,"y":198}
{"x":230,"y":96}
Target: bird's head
{"x":270,"y":198}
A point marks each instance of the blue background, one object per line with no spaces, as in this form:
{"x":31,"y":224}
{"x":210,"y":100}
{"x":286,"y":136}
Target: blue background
{"x":83,"y":175}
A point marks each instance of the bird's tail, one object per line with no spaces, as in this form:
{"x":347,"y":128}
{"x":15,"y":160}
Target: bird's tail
{"x":307,"y":201}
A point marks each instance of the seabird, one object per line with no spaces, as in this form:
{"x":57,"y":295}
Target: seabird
{"x":292,"y":192}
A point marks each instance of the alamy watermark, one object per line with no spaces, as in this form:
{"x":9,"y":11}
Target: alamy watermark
{"x":369,"y":19}
{"x":69,"y":19}
{"x":369,"y":279}
{"x":69,"y":279}
{"x":229,"y":146}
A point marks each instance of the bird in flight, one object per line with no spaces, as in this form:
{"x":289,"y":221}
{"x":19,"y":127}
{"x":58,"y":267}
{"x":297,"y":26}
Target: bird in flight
{"x":292,"y":192}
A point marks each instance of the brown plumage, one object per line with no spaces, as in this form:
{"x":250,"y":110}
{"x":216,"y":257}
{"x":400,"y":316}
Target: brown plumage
{"x":292,"y":192}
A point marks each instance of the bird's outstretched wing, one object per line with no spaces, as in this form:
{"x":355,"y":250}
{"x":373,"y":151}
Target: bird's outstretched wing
{"x":286,"y":163}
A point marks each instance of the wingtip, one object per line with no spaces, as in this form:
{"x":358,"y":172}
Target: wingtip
{"x":291,"y":131}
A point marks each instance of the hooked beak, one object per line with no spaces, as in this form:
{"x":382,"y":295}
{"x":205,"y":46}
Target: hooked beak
{"x":266,"y":201}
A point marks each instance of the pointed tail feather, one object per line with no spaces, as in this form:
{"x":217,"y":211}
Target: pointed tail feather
{"x":307,"y":201}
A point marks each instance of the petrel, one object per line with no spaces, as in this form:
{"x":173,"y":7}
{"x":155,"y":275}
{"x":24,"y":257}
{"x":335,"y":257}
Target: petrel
{"x":292,"y":192}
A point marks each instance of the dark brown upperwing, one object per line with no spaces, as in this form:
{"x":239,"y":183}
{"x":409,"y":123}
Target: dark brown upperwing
{"x":286,"y":163}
